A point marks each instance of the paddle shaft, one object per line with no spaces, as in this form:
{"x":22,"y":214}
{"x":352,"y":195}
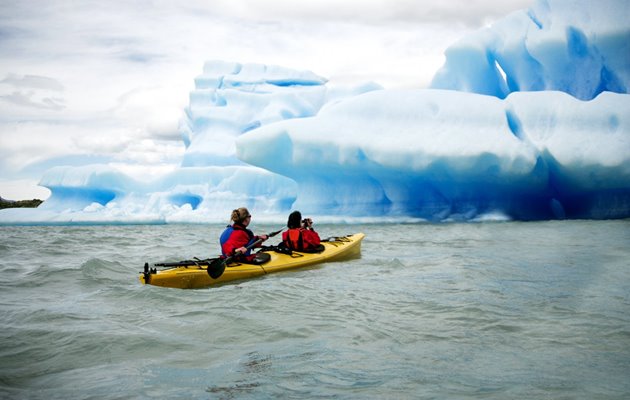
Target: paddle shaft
{"x":216,"y":268}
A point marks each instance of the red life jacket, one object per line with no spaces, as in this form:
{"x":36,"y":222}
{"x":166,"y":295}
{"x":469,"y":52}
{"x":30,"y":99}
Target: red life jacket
{"x":295,"y":239}
{"x":235,"y":236}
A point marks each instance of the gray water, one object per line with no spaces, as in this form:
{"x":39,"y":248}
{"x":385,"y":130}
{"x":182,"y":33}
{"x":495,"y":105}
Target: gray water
{"x":430,"y":311}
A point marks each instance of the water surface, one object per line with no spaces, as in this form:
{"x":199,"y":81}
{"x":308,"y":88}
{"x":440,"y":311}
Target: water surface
{"x":489,"y":310}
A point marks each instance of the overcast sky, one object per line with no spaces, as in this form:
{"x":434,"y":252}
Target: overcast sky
{"x":85,"y":82}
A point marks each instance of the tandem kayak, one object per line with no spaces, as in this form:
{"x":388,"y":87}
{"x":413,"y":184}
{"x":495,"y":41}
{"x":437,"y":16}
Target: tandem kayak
{"x":193,"y":274}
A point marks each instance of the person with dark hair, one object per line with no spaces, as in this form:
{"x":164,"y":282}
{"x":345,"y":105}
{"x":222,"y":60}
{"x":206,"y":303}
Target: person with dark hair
{"x":236,"y":237}
{"x":301,"y":235}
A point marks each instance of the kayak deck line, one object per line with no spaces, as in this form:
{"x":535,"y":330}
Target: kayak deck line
{"x":193,"y":274}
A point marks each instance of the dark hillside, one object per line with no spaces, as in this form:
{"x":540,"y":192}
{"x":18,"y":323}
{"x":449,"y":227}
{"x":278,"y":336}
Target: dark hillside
{"x":20,"y":203}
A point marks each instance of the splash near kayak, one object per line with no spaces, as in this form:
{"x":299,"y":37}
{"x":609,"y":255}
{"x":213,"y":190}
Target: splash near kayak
{"x":195,"y":274}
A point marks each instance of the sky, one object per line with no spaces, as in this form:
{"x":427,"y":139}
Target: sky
{"x":89,"y":82}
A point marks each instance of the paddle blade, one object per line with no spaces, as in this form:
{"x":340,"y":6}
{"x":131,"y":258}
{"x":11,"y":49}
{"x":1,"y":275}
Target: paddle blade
{"x":216,"y":268}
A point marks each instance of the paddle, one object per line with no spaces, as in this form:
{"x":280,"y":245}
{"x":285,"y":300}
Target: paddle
{"x":217,"y":266}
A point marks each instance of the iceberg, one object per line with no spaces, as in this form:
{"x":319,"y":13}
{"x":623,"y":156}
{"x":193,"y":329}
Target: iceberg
{"x":528,"y":119}
{"x":437,"y":155}
{"x":231,"y":98}
{"x":577,"y":47}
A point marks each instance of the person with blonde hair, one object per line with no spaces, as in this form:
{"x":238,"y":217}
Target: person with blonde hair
{"x":236,"y":237}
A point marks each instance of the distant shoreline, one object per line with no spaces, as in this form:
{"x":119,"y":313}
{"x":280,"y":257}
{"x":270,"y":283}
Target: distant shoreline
{"x":34,"y":203}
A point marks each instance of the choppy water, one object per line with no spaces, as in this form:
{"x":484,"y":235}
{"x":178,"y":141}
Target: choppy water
{"x":449,"y":311}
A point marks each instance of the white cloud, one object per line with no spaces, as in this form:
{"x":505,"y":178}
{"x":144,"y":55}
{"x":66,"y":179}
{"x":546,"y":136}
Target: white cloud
{"x":32,"y":81}
{"x":22,"y":189}
{"x":473,"y":13}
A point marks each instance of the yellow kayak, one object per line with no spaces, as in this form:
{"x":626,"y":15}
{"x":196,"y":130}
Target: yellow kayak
{"x":194,"y":274}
